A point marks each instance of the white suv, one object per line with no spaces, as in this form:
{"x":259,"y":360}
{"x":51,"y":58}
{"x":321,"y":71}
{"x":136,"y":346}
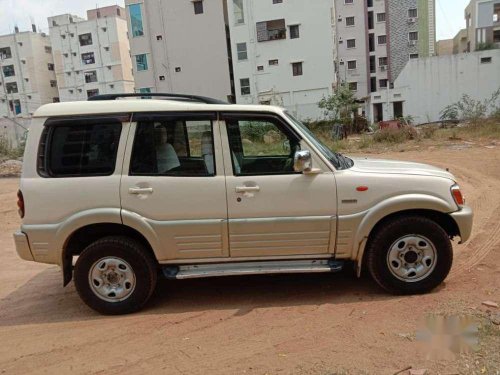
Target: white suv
{"x":190,"y":187}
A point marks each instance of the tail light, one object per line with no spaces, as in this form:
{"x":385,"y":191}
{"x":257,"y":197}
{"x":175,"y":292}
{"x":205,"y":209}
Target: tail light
{"x":457,"y":195}
{"x":20,"y":204}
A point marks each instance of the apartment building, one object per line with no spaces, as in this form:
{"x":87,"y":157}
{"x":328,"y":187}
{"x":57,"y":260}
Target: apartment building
{"x":376,"y":38}
{"x":91,"y":56}
{"x":283,"y":53}
{"x":482,"y":19}
{"x":27,"y":78}
{"x":460,"y":43}
{"x":180,"y":46}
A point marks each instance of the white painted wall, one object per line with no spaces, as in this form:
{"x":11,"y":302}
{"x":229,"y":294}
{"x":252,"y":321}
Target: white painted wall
{"x":314,"y":48}
{"x":428,"y":85}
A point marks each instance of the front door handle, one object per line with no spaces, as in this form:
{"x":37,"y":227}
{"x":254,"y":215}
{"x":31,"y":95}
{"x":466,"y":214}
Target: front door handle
{"x":139,"y":191}
{"x":247,"y":189}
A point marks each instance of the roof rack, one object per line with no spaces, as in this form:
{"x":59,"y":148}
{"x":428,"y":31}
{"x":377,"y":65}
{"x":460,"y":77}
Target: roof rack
{"x":168,"y":96}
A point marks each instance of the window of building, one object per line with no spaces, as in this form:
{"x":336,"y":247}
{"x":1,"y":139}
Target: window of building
{"x":9,"y":71}
{"x":145,"y":90}
{"x":348,"y":1}
{"x":353,"y":86}
{"x":50,"y":66}
{"x":486,"y":60}
{"x":277,"y":1}
{"x":161,"y":78}
{"x":11,"y":88}
{"x":297,"y":68}
{"x":254,"y":158}
{"x":352,"y":65}
{"x":85,"y":39}
{"x":271,"y":30}
{"x":53,"y":83}
{"x":413,"y":36}
{"x":260,"y":68}
{"x":245,"y":86}
{"x":181,"y":147}
{"x":413,"y":13}
{"x":382,"y":39}
{"x":496,"y":12}
{"x":241,"y":49}
{"x":239,"y":14}
{"x":135,"y":11}
{"x":91,"y":76}
{"x":178,"y":69}
{"x":413,"y":56}
{"x":351,"y":43}
{"x":80,"y":149}
{"x":5,"y":53}
{"x":380,"y":17}
{"x":104,"y":29}
{"x":383,"y":83}
{"x":496,"y":36}
{"x":91,"y":93}
{"x":48,"y":49}
{"x":56,"y":100}
{"x":88,"y":58}
{"x":106,"y":49}
{"x":274,"y":62}
{"x":198,"y":7}
{"x":294,"y":31}
{"x":141,"y":62}
{"x":15,"y":106}
{"x":349,"y":21}
{"x":382,"y":61}
{"x":159,"y":38}
{"x":74,"y":54}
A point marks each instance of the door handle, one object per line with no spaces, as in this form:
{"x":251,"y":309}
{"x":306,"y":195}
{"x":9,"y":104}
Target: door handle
{"x":247,"y":189}
{"x":138,"y":191}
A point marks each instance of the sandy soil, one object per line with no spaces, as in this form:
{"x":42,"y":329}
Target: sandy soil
{"x":300,"y":324}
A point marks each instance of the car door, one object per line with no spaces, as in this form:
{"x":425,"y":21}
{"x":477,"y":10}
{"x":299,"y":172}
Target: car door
{"x":272,"y":210}
{"x":173,"y":185}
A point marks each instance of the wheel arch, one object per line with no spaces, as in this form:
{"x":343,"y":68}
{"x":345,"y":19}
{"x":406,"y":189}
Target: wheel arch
{"x":79,"y":239}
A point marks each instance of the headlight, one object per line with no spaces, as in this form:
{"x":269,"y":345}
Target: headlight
{"x":457,"y":195}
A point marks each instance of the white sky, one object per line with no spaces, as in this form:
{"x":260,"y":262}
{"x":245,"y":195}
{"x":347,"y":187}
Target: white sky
{"x":449,"y":13}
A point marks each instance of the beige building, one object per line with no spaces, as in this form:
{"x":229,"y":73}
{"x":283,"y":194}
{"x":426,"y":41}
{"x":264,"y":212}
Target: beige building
{"x":482,"y":18}
{"x":27,"y":78}
{"x":460,"y":43}
{"x":180,"y":46}
{"x":91,"y":56}
{"x":445,"y":47}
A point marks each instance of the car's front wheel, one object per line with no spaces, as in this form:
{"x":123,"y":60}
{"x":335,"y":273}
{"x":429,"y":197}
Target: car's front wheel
{"x":409,"y":255}
{"x":115,"y":275}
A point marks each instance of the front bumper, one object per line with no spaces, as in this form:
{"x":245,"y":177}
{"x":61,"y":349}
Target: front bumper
{"x":22,"y":246}
{"x":464,"y":219}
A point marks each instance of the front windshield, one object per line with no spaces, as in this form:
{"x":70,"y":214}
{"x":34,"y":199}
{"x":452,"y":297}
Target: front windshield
{"x":338,"y":160}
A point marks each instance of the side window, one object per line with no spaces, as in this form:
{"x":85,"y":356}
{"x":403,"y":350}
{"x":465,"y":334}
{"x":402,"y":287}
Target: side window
{"x":173,"y":147}
{"x":79,"y":150}
{"x":261,"y":146}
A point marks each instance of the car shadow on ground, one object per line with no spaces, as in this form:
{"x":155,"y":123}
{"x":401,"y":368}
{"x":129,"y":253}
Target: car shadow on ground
{"x":43,"y":299}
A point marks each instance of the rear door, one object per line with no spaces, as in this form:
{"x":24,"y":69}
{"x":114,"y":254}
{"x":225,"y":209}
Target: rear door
{"x":272,"y":210}
{"x":173,"y":184}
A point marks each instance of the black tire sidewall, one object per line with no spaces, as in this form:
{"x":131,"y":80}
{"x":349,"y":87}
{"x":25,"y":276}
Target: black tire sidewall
{"x":399,"y":228}
{"x":131,"y":252}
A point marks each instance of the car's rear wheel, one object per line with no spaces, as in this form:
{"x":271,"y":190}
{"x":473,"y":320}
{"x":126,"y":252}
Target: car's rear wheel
{"x":115,"y":275}
{"x":409,"y":255}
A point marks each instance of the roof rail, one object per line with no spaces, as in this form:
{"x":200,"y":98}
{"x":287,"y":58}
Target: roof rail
{"x":168,"y":96}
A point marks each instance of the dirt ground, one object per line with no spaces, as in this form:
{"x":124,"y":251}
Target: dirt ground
{"x":299,"y":324}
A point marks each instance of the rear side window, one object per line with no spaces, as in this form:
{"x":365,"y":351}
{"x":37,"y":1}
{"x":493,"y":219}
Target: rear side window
{"x":79,"y":149}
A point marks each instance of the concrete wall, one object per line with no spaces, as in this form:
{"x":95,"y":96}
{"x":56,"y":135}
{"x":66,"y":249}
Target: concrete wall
{"x":428,"y":85}
{"x":187,"y":52}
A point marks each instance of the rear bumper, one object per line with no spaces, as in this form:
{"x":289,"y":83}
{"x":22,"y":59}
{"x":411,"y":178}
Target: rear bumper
{"x":464,"y":219}
{"x":22,"y":246}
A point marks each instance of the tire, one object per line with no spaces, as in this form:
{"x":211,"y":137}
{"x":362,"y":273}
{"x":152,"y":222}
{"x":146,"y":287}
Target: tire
{"x":122,"y":272}
{"x":401,"y":240}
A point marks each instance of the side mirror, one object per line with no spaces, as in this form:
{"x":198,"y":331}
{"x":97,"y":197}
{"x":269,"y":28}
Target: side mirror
{"x":302,"y":161}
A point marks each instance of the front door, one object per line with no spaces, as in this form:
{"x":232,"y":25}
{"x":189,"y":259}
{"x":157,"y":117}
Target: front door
{"x":173,"y":185}
{"x":272,"y":210}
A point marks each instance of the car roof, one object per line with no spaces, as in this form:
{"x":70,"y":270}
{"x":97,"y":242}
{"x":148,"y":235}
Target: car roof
{"x":103,"y":107}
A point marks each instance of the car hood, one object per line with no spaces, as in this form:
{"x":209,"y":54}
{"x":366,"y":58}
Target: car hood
{"x":368,"y":165}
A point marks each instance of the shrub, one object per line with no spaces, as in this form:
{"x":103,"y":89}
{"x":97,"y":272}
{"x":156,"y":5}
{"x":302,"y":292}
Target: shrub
{"x":393,"y":135}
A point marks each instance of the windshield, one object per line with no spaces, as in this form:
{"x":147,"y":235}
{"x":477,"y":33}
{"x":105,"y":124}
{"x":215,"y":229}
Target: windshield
{"x":338,"y":160}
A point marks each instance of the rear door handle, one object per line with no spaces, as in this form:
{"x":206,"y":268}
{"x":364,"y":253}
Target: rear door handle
{"x":247,"y":189}
{"x":138,"y":191}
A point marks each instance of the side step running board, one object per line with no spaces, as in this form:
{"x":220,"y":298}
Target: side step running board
{"x":251,"y":268}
